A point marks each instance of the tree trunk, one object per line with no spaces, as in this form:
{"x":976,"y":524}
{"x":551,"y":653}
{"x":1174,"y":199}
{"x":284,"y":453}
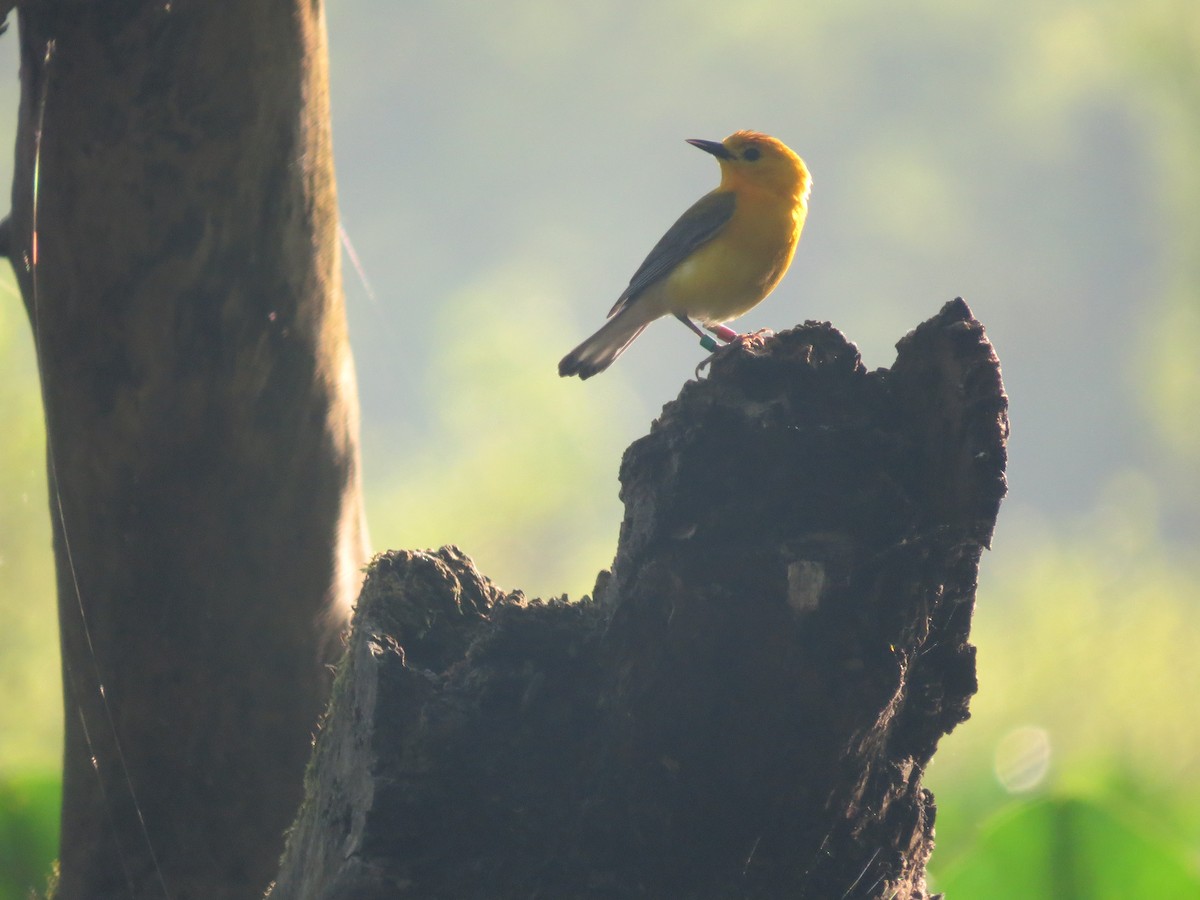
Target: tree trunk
{"x":174,"y":234}
{"x":747,"y":705}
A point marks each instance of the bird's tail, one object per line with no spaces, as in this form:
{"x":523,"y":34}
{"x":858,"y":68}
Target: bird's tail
{"x":599,"y":351}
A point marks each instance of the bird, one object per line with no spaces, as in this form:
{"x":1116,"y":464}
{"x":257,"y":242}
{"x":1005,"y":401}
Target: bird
{"x":720,"y":259}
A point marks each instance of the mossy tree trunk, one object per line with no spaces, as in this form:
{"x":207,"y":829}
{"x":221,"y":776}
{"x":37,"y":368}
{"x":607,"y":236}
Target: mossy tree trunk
{"x":174,"y":234}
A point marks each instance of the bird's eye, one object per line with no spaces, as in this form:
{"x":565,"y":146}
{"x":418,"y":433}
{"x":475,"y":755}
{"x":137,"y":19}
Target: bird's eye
{"x":752,"y":154}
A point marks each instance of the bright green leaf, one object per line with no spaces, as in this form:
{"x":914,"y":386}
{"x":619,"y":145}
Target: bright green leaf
{"x":1070,"y":849}
{"x":29,"y":808}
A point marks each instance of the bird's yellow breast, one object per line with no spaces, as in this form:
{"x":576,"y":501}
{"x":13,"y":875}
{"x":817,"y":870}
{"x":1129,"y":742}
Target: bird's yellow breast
{"x":734,"y":271}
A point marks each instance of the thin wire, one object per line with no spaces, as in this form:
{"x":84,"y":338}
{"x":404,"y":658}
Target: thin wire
{"x":108,"y":812}
{"x":62,"y":521}
{"x":361,"y":271}
{"x":354,"y":261}
{"x":866,"y":869}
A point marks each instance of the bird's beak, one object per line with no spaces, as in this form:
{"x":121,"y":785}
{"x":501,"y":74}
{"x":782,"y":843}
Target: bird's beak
{"x":716,"y":148}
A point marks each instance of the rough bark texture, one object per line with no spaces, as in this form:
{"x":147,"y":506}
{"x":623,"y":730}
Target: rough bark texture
{"x":174,"y":161}
{"x":747,"y":705}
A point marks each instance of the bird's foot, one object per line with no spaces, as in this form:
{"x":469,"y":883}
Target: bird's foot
{"x":753,"y":341}
{"x":729,"y":336}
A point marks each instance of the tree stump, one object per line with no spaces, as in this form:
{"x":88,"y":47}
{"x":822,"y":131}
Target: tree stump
{"x":746,"y":705}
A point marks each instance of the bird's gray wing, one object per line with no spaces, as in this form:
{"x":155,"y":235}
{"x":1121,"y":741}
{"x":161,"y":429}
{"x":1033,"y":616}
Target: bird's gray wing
{"x":699,"y":225}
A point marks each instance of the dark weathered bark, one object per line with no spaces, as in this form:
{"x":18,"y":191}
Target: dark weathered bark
{"x":201,"y":414}
{"x":747,"y":706}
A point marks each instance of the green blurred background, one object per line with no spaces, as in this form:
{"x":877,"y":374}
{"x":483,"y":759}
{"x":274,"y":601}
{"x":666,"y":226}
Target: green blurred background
{"x":504,"y":168}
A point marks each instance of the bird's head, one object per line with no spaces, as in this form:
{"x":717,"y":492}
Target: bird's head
{"x":750,"y":157}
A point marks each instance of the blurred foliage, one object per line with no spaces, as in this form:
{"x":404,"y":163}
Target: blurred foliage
{"x":509,"y":452}
{"x":1068,"y":848}
{"x":1163,"y":42}
{"x":29,"y":676}
{"x":1037,"y":157}
{"x":30,"y":716}
{"x":1087,"y":667}
{"x":28,"y":832}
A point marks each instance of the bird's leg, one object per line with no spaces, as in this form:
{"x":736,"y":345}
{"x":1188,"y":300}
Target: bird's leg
{"x":705,"y":341}
{"x":690,"y":324}
{"x":724,"y":332}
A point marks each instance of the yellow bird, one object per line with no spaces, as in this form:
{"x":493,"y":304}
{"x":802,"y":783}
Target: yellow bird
{"x":720,"y":259}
